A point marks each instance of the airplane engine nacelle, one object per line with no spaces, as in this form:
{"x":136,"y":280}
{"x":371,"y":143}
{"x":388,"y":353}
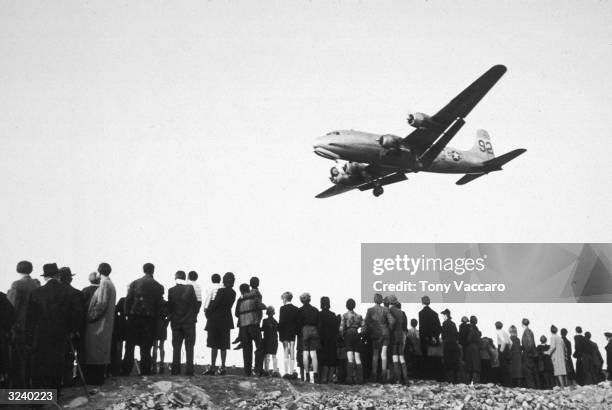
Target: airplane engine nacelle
{"x":351,"y":173}
{"x":389,"y":141}
{"x":420,"y":120}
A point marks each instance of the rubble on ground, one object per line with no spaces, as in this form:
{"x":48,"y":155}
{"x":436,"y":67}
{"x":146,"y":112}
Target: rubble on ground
{"x":238,"y":392}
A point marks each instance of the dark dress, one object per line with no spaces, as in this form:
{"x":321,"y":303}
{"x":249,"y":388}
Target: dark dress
{"x":569,"y":364}
{"x":450,"y":350}
{"x":471,"y":351}
{"x":516,"y":367}
{"x":328,"y":331}
{"x":269,"y":327}
{"x":545,"y":367}
{"x":219,"y":320}
{"x":287,"y":323}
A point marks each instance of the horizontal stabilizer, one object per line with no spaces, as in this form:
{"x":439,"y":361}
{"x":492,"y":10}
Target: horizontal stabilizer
{"x":496,"y":163}
{"x":335,"y":190}
{"x":468,"y":178}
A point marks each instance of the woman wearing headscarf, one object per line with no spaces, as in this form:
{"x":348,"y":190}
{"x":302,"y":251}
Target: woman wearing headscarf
{"x":557,"y":355}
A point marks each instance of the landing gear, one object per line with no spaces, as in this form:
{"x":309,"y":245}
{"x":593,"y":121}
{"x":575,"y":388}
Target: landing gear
{"x":378,"y":191}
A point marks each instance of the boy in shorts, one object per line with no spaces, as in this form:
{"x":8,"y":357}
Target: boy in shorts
{"x":269,"y":328}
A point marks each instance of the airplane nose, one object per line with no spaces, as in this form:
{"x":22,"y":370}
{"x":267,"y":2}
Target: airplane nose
{"x":320,"y":142}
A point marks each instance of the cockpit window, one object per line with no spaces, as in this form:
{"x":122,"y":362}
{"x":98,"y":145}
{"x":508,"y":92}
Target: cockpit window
{"x":334,"y":133}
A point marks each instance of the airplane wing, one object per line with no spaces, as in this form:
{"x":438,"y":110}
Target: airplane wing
{"x":468,"y":178}
{"x":384,"y":180}
{"x":458,"y":107}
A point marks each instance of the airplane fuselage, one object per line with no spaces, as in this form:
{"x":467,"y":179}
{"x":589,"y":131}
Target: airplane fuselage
{"x":364,"y":147}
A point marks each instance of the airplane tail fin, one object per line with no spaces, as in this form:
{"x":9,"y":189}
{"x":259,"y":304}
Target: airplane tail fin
{"x":482,"y":146}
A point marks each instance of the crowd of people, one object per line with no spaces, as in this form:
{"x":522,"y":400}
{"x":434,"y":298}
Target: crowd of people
{"x":52,"y":334}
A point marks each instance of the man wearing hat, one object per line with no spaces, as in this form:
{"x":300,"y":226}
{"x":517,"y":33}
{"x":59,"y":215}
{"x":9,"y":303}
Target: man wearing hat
{"x":143,"y":306}
{"x":19,"y":295}
{"x":608,"y":336}
{"x":76,"y":299}
{"x":50,"y":318}
{"x":429,"y":332}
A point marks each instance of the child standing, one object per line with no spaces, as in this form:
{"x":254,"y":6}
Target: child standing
{"x":270,"y":340}
{"x":287,"y":331}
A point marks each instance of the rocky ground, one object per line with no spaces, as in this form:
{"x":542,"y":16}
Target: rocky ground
{"x":238,"y":392}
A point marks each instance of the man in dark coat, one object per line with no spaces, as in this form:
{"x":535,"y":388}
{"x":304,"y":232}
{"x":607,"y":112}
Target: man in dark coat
{"x":19,"y":296}
{"x":182,"y":311}
{"x":429,"y":333}
{"x":609,"y":354}
{"x":328,"y":332}
{"x":51,"y":316}
{"x":8,"y":316}
{"x":582,"y":376}
{"x":76,"y":299}
{"x":219,"y":322}
{"x":142,"y":305}
{"x":451,"y":347}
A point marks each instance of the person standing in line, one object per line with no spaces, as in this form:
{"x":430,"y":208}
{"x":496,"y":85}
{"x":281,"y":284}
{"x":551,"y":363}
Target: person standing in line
{"x":269,"y":327}
{"x":557,"y":355}
{"x":450,"y":345}
{"x":530,"y":357}
{"x":248,"y":311}
{"x":349,"y":328}
{"x":569,"y":365}
{"x":596,"y":359}
{"x":545,"y":365}
{"x":100,"y":325}
{"x":516,"y":366}
{"x":19,"y":296}
{"x":287,"y":332}
{"x":161,"y":335}
{"x":51,"y":315}
{"x":143,"y":305}
{"x":8,"y":317}
{"x":219,"y":322}
{"x":413,"y":349}
{"x":308,"y":320}
{"x":183,"y":309}
{"x":583,"y":361}
{"x":398,"y":342}
{"x":505,"y":357}
{"x":608,"y":336}
{"x":471,"y":352}
{"x":429,"y":331}
{"x":378,"y":321}
{"x":328,"y":331}
{"x":65,"y":278}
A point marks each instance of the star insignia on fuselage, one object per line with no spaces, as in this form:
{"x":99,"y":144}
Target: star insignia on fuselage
{"x":455,"y":156}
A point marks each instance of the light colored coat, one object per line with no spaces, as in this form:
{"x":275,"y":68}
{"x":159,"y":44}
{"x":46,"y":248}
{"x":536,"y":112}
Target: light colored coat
{"x":557,"y":355}
{"x":100,"y":320}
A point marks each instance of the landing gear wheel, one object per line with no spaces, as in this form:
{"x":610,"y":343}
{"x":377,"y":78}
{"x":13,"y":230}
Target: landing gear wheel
{"x":378,"y":191}
{"x":334,"y":172}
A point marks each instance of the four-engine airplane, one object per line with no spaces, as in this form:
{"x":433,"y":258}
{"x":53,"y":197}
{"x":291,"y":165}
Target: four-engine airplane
{"x":374,"y":160}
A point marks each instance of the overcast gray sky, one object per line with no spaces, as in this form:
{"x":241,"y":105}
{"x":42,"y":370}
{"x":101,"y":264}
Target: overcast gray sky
{"x":180,"y":133}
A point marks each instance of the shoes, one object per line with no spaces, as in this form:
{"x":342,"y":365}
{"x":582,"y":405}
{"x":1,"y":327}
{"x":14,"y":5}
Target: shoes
{"x":239,"y":347}
{"x":276,"y":374}
{"x":210,"y":372}
{"x":287,"y":376}
{"x":221,"y":371}
{"x":294,"y":376}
